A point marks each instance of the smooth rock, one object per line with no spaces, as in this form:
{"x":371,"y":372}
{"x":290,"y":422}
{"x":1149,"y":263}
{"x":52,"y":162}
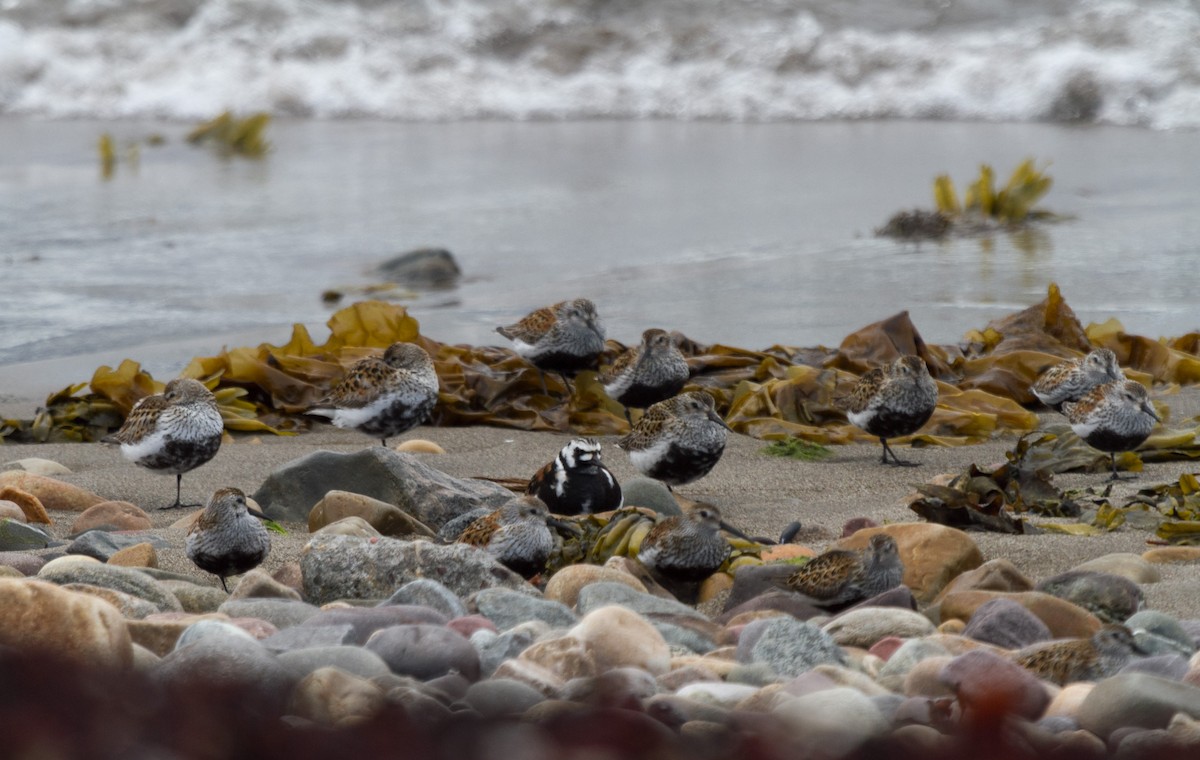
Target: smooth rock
{"x":992,"y":684}
{"x":1163,"y":625}
{"x":300,"y":637}
{"x":508,"y":608}
{"x":495,"y":648}
{"x":789,"y":646}
{"x":104,"y":545}
{"x":1007,"y":624}
{"x":604,"y":593}
{"x":158,"y":635}
{"x":130,"y":606}
{"x":1172,"y":555}
{"x":469,"y":624}
{"x":533,"y":675}
{"x":502,"y":697}
{"x":258,"y":584}
{"x":124,"y":579}
{"x":341,"y":567}
{"x":993,"y":575}
{"x":684,"y":637}
{"x":349,"y":526}
{"x":47,"y":467}
{"x":1136,"y":699}
{"x":618,"y":637}
{"x":566,"y":584}
{"x":138,"y":555}
{"x":1170,"y":666}
{"x":677,"y":710}
{"x":902,"y":661}
{"x":425,"y":592}
{"x":53,"y":494}
{"x":566,"y":656}
{"x":619,"y":687}
{"x":646,"y":492}
{"x":112,"y":515}
{"x":754,"y":581}
{"x":332,"y":697}
{"x":1112,"y":598}
{"x":215,"y":626}
{"x":425,"y":651}
{"x":418,"y":446}
{"x":194,"y":597}
{"x":35,"y":615}
{"x":900,"y":597}
{"x":429,"y":495}
{"x":676,"y":679}
{"x":845,"y":676}
{"x":10,"y":511}
{"x":281,"y":613}
{"x":1066,"y":703}
{"x":1065,"y":620}
{"x":421,"y":268}
{"x":17,"y":536}
{"x":726,"y":695}
{"x":786,"y":602}
{"x":351,"y":659}
{"x":365,"y":621}
{"x":383,"y":517}
{"x":29,"y":506}
{"x":933,"y":554}
{"x":832,"y":723}
{"x":1131,"y":566}
{"x":925,"y":679}
{"x":863,"y":626}
{"x":234,"y":662}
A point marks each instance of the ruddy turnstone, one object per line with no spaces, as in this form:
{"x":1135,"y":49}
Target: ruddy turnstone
{"x":564,"y":338}
{"x":173,"y":432}
{"x":678,"y":440}
{"x":1113,"y":417}
{"x":576,"y":481}
{"x":228,"y":538}
{"x":517,"y":534}
{"x":384,"y":397}
{"x":1108,"y":650}
{"x":646,"y":374}
{"x":687,"y":547}
{"x":839,"y":578}
{"x":1070,"y":380}
{"x":892,"y":401}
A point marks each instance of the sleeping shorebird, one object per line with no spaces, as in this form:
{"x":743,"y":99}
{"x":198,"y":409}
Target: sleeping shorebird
{"x":839,"y":578}
{"x":228,"y":538}
{"x":1070,"y":380}
{"x":646,"y":374}
{"x":892,"y":401}
{"x":564,"y":338}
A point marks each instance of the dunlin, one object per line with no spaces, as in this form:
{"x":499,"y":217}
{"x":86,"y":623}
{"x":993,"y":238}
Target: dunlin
{"x":841,"y":577}
{"x":576,"y":481}
{"x":173,"y":432}
{"x":517,"y":534}
{"x":1113,"y":417}
{"x":687,"y":547}
{"x":564,"y":338}
{"x":892,"y":401}
{"x":1070,"y":380}
{"x":384,"y":397}
{"x":1107,"y":651}
{"x":678,"y":440}
{"x":646,"y":374}
{"x":228,"y":538}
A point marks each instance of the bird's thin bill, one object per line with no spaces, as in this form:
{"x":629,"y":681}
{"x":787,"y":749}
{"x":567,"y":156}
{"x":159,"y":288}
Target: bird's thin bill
{"x":712,"y":415}
{"x":730,"y":529}
{"x":569,"y":527}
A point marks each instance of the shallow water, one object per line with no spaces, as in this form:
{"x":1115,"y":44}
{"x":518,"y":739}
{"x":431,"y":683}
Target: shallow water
{"x":750,"y":234}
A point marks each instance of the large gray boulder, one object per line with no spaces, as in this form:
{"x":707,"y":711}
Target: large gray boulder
{"x":428,"y":494}
{"x":348,"y":567}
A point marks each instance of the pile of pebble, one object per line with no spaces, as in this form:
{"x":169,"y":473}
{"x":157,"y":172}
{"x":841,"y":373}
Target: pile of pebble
{"x":366,"y":625}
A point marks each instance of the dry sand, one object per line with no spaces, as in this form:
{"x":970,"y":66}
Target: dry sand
{"x":758,"y":493}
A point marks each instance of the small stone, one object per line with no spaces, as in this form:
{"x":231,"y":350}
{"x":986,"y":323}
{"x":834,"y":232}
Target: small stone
{"x":1131,"y":566}
{"x":603,"y":594}
{"x":138,"y":555}
{"x":508,"y":608}
{"x":1170,"y":666}
{"x":618,"y":637}
{"x":383,"y":517}
{"x":422,"y":268}
{"x":682,"y":676}
{"x":258,"y":584}
{"x":195,"y":598}
{"x":349,"y":526}
{"x":832,"y":723}
{"x":204,"y":626}
{"x":1007,"y":624}
{"x":112,"y":515}
{"x":332,"y":697}
{"x":1136,"y":699}
{"x":125,"y":579}
{"x":786,"y":602}
{"x":351,"y":659}
{"x":35,"y":466}
{"x":992,"y":684}
{"x":1066,"y":703}
{"x":1065,"y":620}
{"x":17,"y":536}
{"x":533,"y":675}
{"x":566,"y":657}
{"x":789,"y":646}
{"x":1172,"y":555}
{"x":905,"y":658}
{"x":1112,"y":598}
{"x":863,"y":626}
{"x":299,"y":637}
{"x":502,"y":697}
{"x":426,"y":592}
{"x":281,"y":613}
{"x":53,"y":494}
{"x":496,"y":648}
{"x":651,"y":494}
{"x":31,"y":508}
{"x":103,"y":545}
{"x":993,"y":575}
{"x":41,"y":616}
{"x":130,"y":606}
{"x":684,"y":636}
{"x":469,"y":624}
{"x":566,"y":584}
{"x":933,"y":554}
{"x":10,"y":511}
{"x":365,"y":621}
{"x":233,"y":662}
{"x":1163,"y":625}
{"x":924,"y":679}
{"x":418,"y":446}
{"x":424,"y":651}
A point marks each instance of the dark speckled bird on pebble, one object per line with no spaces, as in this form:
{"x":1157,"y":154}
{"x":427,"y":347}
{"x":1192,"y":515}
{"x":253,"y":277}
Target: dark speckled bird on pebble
{"x":517,"y":534}
{"x":678,"y":440}
{"x":646,"y":374}
{"x":839,"y":578}
{"x":891,"y":401}
{"x":227,"y":538}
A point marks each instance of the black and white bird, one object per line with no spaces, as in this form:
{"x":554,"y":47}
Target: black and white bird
{"x":576,"y":481}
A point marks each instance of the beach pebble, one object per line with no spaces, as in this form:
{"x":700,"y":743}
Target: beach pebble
{"x":754,"y":581}
{"x":1131,"y":566}
{"x":232,"y":661}
{"x":124,"y":579}
{"x":566,"y":656}
{"x":855,"y":679}
{"x":788,"y":646}
{"x":418,"y":446}
{"x":306,"y":637}
{"x":195,"y":598}
{"x":1136,"y":699}
{"x":508,"y":608}
{"x":985,"y":681}
{"x":329,"y":696}
{"x":426,"y":592}
{"x":131,"y":607}
{"x":495,"y":648}
{"x":1066,"y":703}
{"x":993,"y":575}
{"x":863,"y":626}
{"x":683,"y":675}
{"x":1172,"y":666}
{"x":831,"y":723}
{"x":342,"y":567}
{"x":68,"y":624}
{"x":29,"y":507}
{"x":501,"y":697}
{"x":718,"y":694}
{"x":429,"y":495}
{"x":160,"y":634}
{"x":281,"y":613}
{"x":1112,"y":598}
{"x":774,"y":603}
{"x":383,"y":517}
{"x":199,"y":627}
{"x":617,"y":687}
{"x":545,"y":681}
{"x":138,"y":555}
{"x":1063,"y":619}
{"x":112,"y":515}
{"x":53,"y":494}
{"x":646,"y":492}
{"x":679,"y":635}
{"x":365,"y":621}
{"x":425,"y":651}
{"x":1006,"y":624}
{"x":900,"y":597}
{"x":10,"y":511}
{"x":924,"y":679}
{"x":675,"y":710}
{"x":258,"y":584}
{"x":1163,"y":626}
{"x":350,"y":659}
{"x":103,"y":545}
{"x":17,"y":536}
{"x":616,"y":637}
{"x":1172,"y":555}
{"x":566,"y":584}
{"x":36,"y":466}
{"x":469,"y":624}
{"x":349,"y":526}
{"x":421,"y":268}
{"x":933,"y":555}
{"x":605,"y":593}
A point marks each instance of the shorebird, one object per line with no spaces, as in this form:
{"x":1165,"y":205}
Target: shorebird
{"x":1070,"y":380}
{"x":564,"y":338}
{"x":891,"y":401}
{"x":1108,"y":650}
{"x":384,"y":397}
{"x":646,"y":374}
{"x":576,"y":481}
{"x":173,"y":432}
{"x":517,"y":535}
{"x":1113,"y":417}
{"x":228,"y":538}
{"x":839,"y":578}
{"x":678,"y":440}
{"x":688,"y":547}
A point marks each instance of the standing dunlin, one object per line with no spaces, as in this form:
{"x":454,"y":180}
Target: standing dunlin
{"x":517,"y":535}
{"x":564,"y":338}
{"x":1107,"y":651}
{"x":1070,"y":380}
{"x":576,"y":481}
{"x":678,"y":440}
{"x":646,"y":374}
{"x":173,"y":432}
{"x":1113,"y":417}
{"x":892,"y":401}
{"x":839,"y":578}
{"x":228,"y":538}
{"x":384,"y":397}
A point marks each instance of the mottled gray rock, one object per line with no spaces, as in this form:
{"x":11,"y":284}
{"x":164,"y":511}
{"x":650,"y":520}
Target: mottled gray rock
{"x":1112,"y":598}
{"x":365,"y":621}
{"x":194,"y":597}
{"x":102,"y":544}
{"x":1162,"y":625}
{"x":495,"y":648}
{"x":421,"y":268}
{"x":863,"y":626}
{"x":1156,"y":743}
{"x":425,"y":651}
{"x":27,"y":564}
{"x":431,"y":496}
{"x":501,"y":697}
{"x":684,"y":637}
{"x":258,"y":584}
{"x":651,"y":494}
{"x":789,"y":646}
{"x":429,"y":593}
{"x":1136,"y":699}
{"x":343,"y":567}
{"x":1170,"y":666}
{"x":281,"y":613}
{"x":18,"y":536}
{"x":216,"y":628}
{"x":893,"y":672}
{"x":596,"y":595}
{"x":123,"y":579}
{"x":361,"y":662}
{"x":231,"y":661}
{"x":508,"y":608}
{"x":309,"y":637}
{"x":1007,"y":624}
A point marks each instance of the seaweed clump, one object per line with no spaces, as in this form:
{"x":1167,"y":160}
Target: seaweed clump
{"x":234,"y":136}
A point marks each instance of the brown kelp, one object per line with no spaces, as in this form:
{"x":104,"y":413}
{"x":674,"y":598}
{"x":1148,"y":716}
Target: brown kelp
{"x":233,"y":135}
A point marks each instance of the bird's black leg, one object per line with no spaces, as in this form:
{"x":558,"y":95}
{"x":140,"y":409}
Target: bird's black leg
{"x":627,"y":417}
{"x":178,"y":493}
{"x":384,"y":442}
{"x":222,"y":577}
{"x":1112,"y":458}
{"x":896,"y":461}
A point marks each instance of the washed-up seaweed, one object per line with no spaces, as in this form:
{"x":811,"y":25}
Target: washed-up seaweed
{"x":776,"y":393}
